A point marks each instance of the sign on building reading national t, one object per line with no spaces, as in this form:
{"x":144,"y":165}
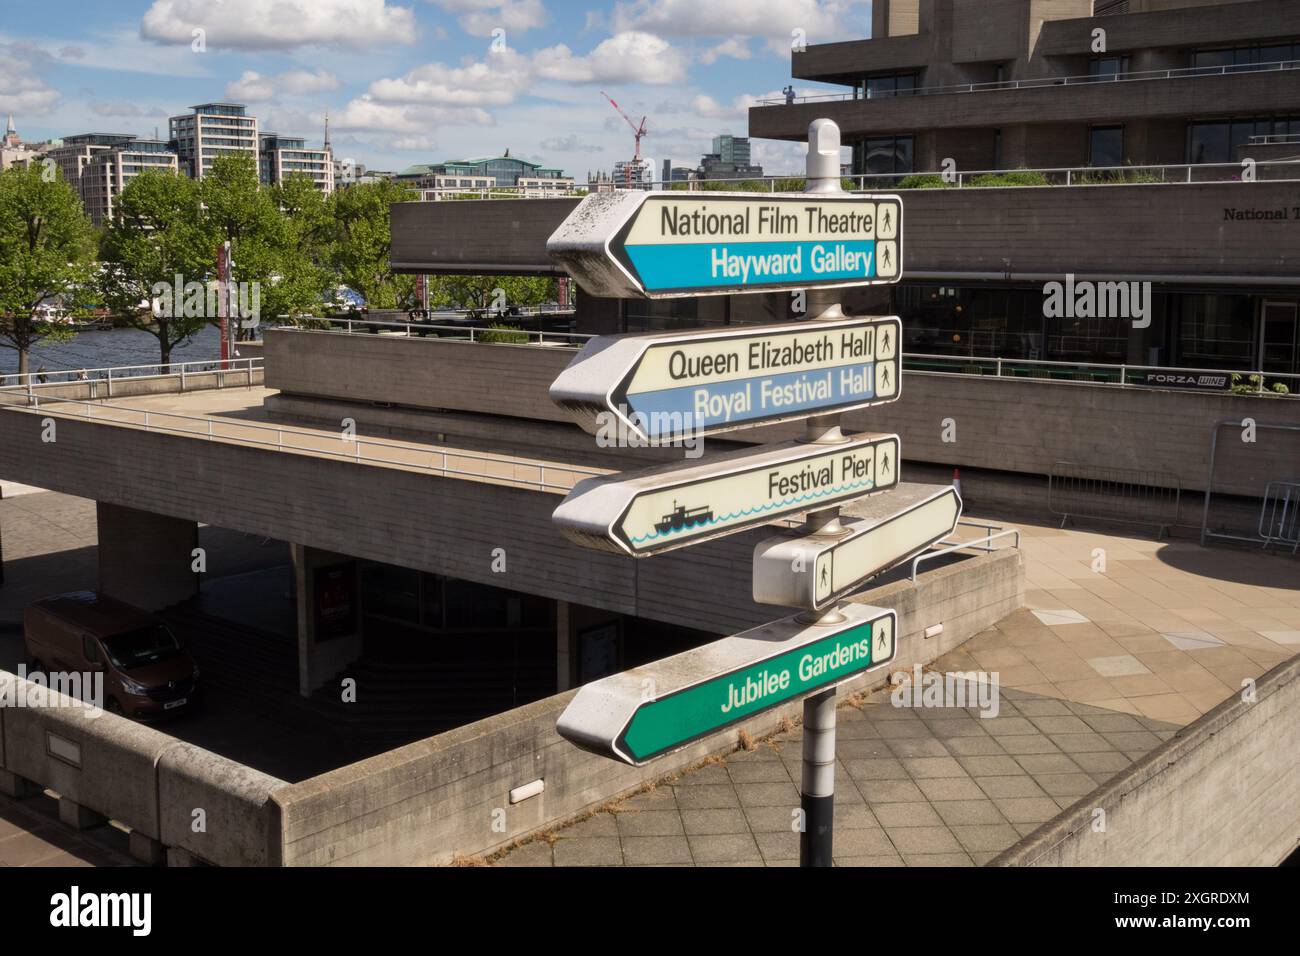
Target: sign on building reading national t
{"x":661,"y":388}
{"x":634,"y":243}
{"x":669,"y":507}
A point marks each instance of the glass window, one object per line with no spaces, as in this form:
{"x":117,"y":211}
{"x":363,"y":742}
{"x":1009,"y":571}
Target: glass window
{"x":1209,"y":143}
{"x":1106,"y":146}
{"x":1215,"y":331}
{"x":885,"y":154}
{"x":1107,"y":67}
{"x":391,"y":591}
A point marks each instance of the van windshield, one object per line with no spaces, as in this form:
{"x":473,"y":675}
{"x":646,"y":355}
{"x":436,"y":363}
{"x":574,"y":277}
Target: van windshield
{"x":148,"y":645}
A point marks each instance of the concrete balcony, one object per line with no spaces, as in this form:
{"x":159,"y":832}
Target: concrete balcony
{"x":1210,"y":26}
{"x":1151,"y":97}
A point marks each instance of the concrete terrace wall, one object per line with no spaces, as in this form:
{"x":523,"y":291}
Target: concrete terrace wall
{"x":1138,"y":428}
{"x":417,"y":372}
{"x":429,"y":801}
{"x":140,"y":777}
{"x":405,"y":517}
{"x":1224,"y":791}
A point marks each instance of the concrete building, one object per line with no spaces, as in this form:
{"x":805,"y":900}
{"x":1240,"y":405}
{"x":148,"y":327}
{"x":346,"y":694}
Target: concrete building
{"x":1182,"y":85}
{"x":282,"y":156}
{"x":494,"y":172}
{"x":15,"y":152}
{"x":211,"y":130}
{"x":634,"y":174}
{"x":99,"y":165}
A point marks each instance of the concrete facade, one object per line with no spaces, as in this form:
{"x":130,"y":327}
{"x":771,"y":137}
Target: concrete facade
{"x":1148,"y":429}
{"x":1225,"y":791}
{"x":146,"y":559}
{"x":447,"y":796}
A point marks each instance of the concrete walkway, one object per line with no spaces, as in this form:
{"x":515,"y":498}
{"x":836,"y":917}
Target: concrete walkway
{"x":1123,"y":640}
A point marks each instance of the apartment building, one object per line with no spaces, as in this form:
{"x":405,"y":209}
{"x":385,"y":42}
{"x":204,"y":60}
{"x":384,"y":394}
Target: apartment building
{"x":282,"y":156}
{"x":483,"y":173}
{"x":99,"y":165}
{"x":211,"y":130}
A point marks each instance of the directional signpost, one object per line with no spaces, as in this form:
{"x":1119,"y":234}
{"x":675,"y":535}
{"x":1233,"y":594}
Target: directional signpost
{"x":654,"y":511}
{"x":704,"y":382}
{"x":659,"y":389}
{"x":707,"y":689}
{"x":658,"y":245}
{"x":814,"y":572}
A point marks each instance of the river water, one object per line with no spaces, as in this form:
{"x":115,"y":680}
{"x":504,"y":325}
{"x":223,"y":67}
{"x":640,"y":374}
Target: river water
{"x":110,"y":349}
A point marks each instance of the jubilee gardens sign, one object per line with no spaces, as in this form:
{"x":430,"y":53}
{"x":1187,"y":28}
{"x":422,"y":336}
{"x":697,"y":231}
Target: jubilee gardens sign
{"x":664,"y":388}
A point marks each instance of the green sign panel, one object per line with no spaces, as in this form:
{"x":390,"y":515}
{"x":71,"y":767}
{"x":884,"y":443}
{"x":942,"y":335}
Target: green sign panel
{"x":623,"y":717}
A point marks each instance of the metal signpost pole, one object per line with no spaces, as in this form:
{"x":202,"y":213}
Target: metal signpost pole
{"x":817,"y":786}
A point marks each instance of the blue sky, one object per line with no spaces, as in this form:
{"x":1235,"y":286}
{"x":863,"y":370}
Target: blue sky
{"x":410,"y":81}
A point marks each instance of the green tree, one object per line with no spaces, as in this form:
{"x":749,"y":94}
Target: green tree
{"x":47,"y":247}
{"x":303,"y":271}
{"x":480,"y":293}
{"x":159,"y":237}
{"x":362,"y":240}
{"x":244,"y":214}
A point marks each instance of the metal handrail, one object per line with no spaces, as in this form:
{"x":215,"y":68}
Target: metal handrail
{"x":353,"y":451}
{"x":350,"y":326}
{"x":108,"y":373}
{"x":997,"y":365}
{"x":986,"y":540}
{"x":1038,"y":82}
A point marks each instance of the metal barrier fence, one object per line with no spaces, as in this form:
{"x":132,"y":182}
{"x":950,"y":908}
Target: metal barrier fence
{"x":1279,"y":518}
{"x":1125,"y":376}
{"x":1082,"y":79}
{"x":1114,"y":494}
{"x":469,"y":333}
{"x":445,"y":462}
{"x":72,"y":376}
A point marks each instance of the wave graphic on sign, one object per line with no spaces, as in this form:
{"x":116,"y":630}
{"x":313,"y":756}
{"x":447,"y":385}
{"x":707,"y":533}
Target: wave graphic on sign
{"x":745,"y":512}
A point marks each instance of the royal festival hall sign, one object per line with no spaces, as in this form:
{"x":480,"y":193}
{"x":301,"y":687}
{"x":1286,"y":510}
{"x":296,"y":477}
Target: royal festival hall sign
{"x":659,"y":245}
{"x":664,"y":387}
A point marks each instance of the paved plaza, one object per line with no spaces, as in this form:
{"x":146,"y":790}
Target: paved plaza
{"x":1103,"y":664}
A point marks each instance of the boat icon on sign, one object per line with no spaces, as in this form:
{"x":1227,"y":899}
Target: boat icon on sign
{"x":680,"y":519}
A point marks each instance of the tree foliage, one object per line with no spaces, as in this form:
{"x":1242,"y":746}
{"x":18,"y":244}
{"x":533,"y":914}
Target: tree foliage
{"x":46,"y":250}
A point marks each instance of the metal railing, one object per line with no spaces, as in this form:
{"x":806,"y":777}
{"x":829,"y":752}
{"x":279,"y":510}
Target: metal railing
{"x":1038,"y":82}
{"x":1279,"y":517}
{"x":440,"y":461}
{"x":471,"y":333}
{"x":1172,"y":174}
{"x":1252,"y":382}
{"x":29,"y":382}
{"x":1114,"y":494}
{"x":984,"y":544}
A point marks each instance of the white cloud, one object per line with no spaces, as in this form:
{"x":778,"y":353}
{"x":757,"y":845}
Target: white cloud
{"x":821,"y":20}
{"x":253,"y":86}
{"x":495,"y":81}
{"x":365,"y":113}
{"x":734,"y":47}
{"x":569,"y":144}
{"x":21,"y":89}
{"x":279,"y":24}
{"x":709,"y":108}
{"x":481,"y":17}
{"x":127,"y":109}
{"x":628,"y":57}
{"x":422,"y":143}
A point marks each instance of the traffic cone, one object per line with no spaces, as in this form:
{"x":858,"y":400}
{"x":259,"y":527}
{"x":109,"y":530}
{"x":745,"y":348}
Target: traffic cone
{"x":956,"y":480}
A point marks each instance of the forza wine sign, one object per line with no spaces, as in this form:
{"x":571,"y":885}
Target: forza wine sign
{"x":662,"y":388}
{"x":673,"y":506}
{"x":634,"y":243}
{"x":649,"y":711}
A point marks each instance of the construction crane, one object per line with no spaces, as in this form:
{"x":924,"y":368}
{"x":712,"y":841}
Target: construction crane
{"x":637,"y":131}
